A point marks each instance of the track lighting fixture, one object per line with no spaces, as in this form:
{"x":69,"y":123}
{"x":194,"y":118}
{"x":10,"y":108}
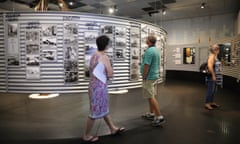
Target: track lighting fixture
{"x":203,"y":5}
{"x":112,"y":9}
{"x":163,"y":11}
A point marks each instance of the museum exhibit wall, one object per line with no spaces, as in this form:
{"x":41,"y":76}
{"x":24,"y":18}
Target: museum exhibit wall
{"x":189,"y":41}
{"x":49,"y":52}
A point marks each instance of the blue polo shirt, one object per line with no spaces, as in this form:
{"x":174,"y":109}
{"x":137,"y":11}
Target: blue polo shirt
{"x":151,"y":57}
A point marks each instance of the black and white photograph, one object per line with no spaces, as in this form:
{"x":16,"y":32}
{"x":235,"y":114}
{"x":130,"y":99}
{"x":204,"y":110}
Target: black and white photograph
{"x":134,"y":65}
{"x":71,"y":41}
{"x":13,"y":60}
{"x":32,"y":36}
{"x":32,"y":60}
{"x":32,"y":49}
{"x":71,"y":77}
{"x":105,"y":29}
{"x":134,"y":74}
{"x":188,"y":55}
{"x":32,"y":73}
{"x":120,"y":42}
{"x":119,"y":54}
{"x":12,"y":30}
{"x":70,"y":29}
{"x":90,"y":36}
{"x":50,"y":42}
{"x":144,"y":29}
{"x":120,"y":31}
{"x":92,"y":24}
{"x":71,"y":65}
{"x":135,"y":32}
{"x":13,"y":46}
{"x":90,"y":49}
{"x":70,"y":53}
{"x":13,"y":56}
{"x":135,"y":43}
{"x":135,"y":52}
{"x":49,"y":30}
{"x":49,"y":55}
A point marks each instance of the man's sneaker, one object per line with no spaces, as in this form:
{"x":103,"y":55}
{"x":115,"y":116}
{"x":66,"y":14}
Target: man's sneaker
{"x":157,"y":122}
{"x":148,"y":116}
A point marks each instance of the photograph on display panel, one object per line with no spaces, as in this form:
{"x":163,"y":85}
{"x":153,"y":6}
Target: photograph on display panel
{"x":70,"y":52}
{"x":70,"y":29}
{"x":119,"y":54}
{"x":12,"y":30}
{"x":134,"y":74}
{"x":135,"y":53}
{"x":120,"y":31}
{"x":71,"y":41}
{"x":32,"y":36}
{"x":49,"y":30}
{"x":135,"y":32}
{"x":91,"y":36}
{"x":71,"y":77}
{"x":49,"y":42}
{"x":90,"y":49}
{"x":32,"y":60}
{"x":106,"y":29}
{"x":71,"y":65}
{"x":33,"y":73}
{"x":13,"y":56}
{"x":32,"y":49}
{"x":189,"y":55}
{"x":49,"y":55}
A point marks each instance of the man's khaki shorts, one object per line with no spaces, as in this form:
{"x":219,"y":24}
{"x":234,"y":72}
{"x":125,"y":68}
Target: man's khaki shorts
{"x":149,"y":89}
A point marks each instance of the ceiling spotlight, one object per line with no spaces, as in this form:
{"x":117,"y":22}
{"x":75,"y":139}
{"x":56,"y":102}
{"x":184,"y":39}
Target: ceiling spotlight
{"x":113,"y":9}
{"x":110,"y":10}
{"x":61,"y":4}
{"x":70,"y":3}
{"x":164,"y":12}
{"x":203,"y":5}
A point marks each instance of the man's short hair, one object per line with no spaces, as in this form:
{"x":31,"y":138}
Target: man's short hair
{"x":152,"y":39}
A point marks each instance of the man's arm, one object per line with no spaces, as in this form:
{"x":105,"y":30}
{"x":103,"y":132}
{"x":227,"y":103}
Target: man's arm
{"x":145,"y":71}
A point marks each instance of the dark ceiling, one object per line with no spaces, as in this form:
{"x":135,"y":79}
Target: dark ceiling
{"x":148,"y":10}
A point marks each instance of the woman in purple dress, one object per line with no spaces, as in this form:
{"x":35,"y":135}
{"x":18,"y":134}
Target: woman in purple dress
{"x":98,"y":91}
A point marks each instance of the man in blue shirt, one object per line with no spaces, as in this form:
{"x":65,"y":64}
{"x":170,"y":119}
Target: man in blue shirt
{"x":150,"y":73}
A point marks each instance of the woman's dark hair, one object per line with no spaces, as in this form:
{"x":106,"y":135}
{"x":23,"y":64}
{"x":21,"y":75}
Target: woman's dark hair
{"x":102,"y":42}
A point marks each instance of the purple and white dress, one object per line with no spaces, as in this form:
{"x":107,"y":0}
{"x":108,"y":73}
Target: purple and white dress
{"x":98,"y":92}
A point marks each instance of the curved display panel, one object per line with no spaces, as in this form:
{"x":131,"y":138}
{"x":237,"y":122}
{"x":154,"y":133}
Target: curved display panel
{"x":49,"y":52}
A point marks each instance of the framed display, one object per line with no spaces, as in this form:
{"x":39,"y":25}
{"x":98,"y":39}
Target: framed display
{"x":225,"y":53}
{"x":70,"y":49}
{"x":90,"y":37}
{"x":90,"y":49}
{"x":33,"y":72}
{"x":71,"y":77}
{"x":135,"y":53}
{"x":32,"y":60}
{"x":13,"y":56}
{"x":108,"y":30}
{"x":32,"y":45}
{"x":189,"y":55}
{"x":49,"y":55}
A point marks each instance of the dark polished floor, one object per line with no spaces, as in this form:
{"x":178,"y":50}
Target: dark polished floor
{"x":61,"y":120}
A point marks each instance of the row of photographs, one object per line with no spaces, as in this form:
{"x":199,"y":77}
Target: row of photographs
{"x":48,"y":50}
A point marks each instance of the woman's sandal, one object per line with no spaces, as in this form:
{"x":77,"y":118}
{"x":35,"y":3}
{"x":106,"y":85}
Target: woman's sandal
{"x":118,"y":131}
{"x":208,"y":107}
{"x":91,"y":140}
{"x":215,"y":105}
